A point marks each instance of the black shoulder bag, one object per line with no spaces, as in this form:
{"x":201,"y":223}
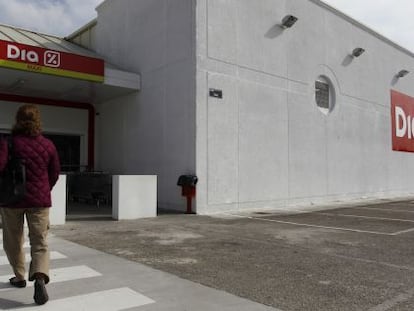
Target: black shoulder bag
{"x":12,"y":179}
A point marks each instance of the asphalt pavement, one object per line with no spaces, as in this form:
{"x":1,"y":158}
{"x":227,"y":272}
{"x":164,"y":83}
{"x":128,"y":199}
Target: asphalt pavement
{"x":343,"y":257}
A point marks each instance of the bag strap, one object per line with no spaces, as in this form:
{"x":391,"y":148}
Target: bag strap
{"x":10,"y":145}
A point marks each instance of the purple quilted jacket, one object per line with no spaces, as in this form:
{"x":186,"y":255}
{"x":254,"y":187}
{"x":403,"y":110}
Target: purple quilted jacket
{"x":42,"y":168}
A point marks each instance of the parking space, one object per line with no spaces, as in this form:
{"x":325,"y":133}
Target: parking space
{"x":373,"y":213}
{"x":382,"y":219}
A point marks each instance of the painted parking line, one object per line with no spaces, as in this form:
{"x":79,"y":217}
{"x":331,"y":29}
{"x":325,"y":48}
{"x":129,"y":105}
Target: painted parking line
{"x":315,"y":226}
{"x":374,"y":218}
{"x":109,"y":300}
{"x":364,"y":217}
{"x":61,"y":275}
{"x":53,"y":255}
{"x":403,"y":231}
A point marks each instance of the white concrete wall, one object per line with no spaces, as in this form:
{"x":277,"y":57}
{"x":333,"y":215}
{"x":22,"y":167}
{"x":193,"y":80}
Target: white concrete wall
{"x":152,"y":132}
{"x":134,"y":197}
{"x":266,"y":144}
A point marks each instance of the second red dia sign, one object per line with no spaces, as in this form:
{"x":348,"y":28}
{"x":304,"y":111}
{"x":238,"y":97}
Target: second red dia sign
{"x":402,"y":113}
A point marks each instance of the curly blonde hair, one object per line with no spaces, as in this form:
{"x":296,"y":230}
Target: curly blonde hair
{"x":28,"y":121}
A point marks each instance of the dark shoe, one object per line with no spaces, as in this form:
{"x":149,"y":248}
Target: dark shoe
{"x":14,"y":281}
{"x":40,"y":293}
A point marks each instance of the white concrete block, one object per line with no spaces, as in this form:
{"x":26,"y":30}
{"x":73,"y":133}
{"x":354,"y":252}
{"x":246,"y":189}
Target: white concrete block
{"x":134,"y":196}
{"x":58,"y":210}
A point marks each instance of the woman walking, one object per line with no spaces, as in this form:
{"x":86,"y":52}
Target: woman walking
{"x":42,"y":172}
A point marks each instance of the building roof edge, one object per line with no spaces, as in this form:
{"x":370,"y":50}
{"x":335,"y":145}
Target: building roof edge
{"x":82,"y":29}
{"x":362,"y":26}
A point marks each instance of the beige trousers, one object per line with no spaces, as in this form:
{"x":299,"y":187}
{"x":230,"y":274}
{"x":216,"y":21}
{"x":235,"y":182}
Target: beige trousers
{"x":13,"y":239}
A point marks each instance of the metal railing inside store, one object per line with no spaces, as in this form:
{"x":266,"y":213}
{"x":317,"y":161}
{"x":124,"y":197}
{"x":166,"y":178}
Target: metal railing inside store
{"x":89,"y":189}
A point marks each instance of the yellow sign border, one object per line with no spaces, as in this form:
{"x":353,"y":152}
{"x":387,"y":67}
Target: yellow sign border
{"x":51,"y":71}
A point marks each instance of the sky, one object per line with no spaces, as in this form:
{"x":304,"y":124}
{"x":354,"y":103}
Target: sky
{"x":391,"y":18}
{"x":55,"y":17}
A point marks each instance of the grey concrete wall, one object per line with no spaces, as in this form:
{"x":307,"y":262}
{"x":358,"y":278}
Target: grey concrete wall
{"x":152,"y":132}
{"x":266,"y":143}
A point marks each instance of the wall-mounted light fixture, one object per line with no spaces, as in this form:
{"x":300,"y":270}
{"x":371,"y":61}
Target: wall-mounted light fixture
{"x":288,"y":21}
{"x":402,"y":73}
{"x":357,"y":52}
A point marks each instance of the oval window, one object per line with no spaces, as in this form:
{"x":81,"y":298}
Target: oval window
{"x":324,"y":94}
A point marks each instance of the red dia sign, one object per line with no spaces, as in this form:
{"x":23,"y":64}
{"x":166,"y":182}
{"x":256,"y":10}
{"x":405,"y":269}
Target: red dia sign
{"x":402,"y":118}
{"x":35,"y":59}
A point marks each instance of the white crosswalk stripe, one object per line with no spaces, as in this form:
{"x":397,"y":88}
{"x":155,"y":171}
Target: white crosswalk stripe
{"x":109,"y":300}
{"x":25,"y":245}
{"x":62,"y":275}
{"x":53,"y":255}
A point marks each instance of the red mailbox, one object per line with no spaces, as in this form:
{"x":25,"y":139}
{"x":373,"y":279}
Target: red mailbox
{"x":188,"y":189}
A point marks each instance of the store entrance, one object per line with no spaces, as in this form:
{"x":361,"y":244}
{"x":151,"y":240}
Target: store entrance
{"x":69,"y":150}
{"x":89,"y":193}
{"x":70,"y":126}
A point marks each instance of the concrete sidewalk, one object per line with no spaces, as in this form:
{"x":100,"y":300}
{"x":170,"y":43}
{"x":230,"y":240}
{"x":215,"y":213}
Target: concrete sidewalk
{"x":86,"y":279}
